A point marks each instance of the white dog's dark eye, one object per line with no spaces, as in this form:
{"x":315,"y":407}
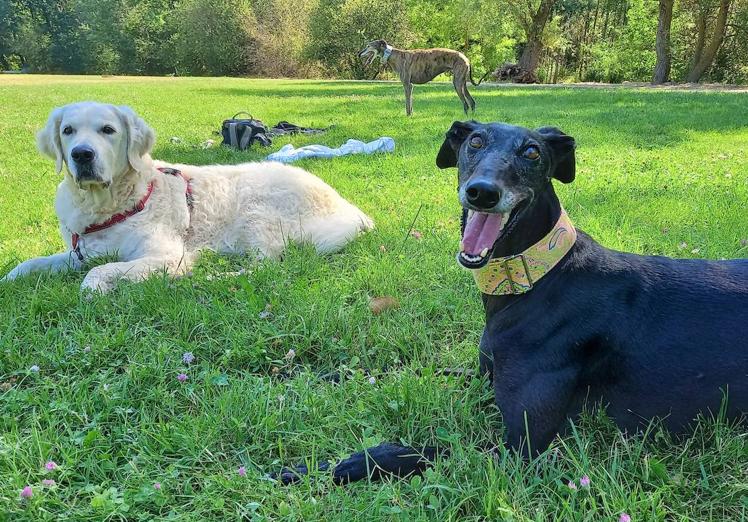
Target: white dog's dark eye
{"x":67,"y":131}
{"x":531,"y":152}
{"x":108,"y":129}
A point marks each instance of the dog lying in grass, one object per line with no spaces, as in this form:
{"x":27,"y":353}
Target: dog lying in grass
{"x":570,"y":324}
{"x":114,"y":200}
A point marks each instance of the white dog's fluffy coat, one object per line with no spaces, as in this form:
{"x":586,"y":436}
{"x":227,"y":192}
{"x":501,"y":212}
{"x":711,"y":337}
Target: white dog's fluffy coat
{"x":252,"y":207}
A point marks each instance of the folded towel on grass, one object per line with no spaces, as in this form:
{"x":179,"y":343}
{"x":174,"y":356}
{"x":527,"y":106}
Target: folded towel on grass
{"x":289,"y":153}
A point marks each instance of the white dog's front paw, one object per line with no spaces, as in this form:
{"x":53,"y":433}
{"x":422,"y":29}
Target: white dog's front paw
{"x":17,"y":272}
{"x":97,"y":282}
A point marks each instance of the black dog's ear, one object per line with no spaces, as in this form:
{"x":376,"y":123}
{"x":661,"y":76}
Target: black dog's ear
{"x":562,"y":148}
{"x":447,"y":156}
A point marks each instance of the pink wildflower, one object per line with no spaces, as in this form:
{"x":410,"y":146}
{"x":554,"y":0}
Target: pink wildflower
{"x":49,"y":483}
{"x":157,"y":486}
{"x":51,"y":465}
{"x":182,"y":377}
{"x":624,"y":518}
{"x":27,"y":492}
{"x":584,"y":481}
{"x":242,"y":471}
{"x":572,"y":485}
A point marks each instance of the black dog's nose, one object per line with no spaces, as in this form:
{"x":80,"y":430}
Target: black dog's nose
{"x":483,"y":194}
{"x":82,"y":154}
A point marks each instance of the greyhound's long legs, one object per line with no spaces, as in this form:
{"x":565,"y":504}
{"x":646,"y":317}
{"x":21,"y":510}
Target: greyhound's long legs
{"x":459,"y":84}
{"x":469,"y":97}
{"x":408,"y":97}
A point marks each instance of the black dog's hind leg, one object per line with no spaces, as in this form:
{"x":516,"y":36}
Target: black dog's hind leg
{"x":385,"y":460}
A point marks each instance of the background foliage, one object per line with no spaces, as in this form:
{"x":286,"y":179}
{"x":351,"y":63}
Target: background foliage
{"x":585,"y":40}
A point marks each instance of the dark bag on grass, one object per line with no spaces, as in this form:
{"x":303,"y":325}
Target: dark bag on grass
{"x":241,"y":133}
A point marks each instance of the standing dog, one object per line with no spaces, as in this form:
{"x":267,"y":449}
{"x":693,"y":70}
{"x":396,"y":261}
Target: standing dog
{"x":114,"y":200}
{"x":419,"y":66}
{"x":571,"y":324}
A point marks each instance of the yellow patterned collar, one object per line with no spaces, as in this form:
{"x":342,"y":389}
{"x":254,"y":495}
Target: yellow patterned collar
{"x":518,"y":273}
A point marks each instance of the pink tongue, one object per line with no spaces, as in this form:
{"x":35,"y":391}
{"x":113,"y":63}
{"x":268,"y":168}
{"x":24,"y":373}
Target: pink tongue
{"x":481,"y":231}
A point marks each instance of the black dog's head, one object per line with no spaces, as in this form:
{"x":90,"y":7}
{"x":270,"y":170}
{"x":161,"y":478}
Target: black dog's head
{"x":501,"y":170}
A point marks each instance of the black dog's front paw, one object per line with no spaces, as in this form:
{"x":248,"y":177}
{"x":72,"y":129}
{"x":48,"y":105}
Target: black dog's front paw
{"x":385,"y":460}
{"x":288,"y":476}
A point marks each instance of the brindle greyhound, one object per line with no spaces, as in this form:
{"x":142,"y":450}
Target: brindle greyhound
{"x":419,"y":66}
{"x":571,"y":324}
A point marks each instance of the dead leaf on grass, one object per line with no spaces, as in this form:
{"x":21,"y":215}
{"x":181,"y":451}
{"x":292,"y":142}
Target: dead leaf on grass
{"x":377,"y":305}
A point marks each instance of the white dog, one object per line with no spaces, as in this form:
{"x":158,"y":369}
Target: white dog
{"x":115,"y":200}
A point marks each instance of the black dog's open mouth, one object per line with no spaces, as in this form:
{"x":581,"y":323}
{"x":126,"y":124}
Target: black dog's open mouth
{"x":480,"y":233}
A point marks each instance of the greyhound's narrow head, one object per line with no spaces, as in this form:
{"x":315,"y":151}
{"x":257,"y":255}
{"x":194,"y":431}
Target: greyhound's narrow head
{"x":501,"y":169}
{"x":372,"y":50}
{"x":97,"y":142}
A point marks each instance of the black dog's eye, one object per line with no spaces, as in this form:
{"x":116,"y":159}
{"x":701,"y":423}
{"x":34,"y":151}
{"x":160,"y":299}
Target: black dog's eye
{"x":108,"y":129}
{"x":476,"y":142}
{"x":67,"y":131}
{"x":531,"y":152}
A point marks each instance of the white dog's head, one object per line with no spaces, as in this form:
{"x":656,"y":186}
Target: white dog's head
{"x":97,"y":142}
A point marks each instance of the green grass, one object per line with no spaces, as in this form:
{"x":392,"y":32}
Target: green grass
{"x":658,"y":172}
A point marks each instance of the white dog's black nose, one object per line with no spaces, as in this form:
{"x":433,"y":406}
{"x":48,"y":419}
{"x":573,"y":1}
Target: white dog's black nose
{"x":482,"y":194}
{"x":83,"y":154}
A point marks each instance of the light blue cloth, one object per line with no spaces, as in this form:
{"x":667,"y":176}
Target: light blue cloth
{"x":289,"y":153}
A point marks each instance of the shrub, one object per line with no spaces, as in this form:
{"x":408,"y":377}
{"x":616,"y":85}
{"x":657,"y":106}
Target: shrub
{"x":340,"y":28}
{"x":213,"y":37}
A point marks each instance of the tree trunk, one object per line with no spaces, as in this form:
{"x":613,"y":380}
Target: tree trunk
{"x":710,"y":52}
{"x":604,"y":36}
{"x":700,"y":37}
{"x":594,"y":21}
{"x":582,"y":49}
{"x":530,"y":58}
{"x":662,"y":45}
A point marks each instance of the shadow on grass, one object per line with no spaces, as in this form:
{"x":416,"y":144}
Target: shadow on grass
{"x":646,"y":119}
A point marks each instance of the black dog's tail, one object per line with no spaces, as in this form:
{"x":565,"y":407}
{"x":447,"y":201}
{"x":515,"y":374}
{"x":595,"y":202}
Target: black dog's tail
{"x":481,"y":78}
{"x":385,"y":460}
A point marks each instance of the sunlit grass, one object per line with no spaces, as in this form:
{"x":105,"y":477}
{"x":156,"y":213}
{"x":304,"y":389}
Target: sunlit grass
{"x":658,"y":172}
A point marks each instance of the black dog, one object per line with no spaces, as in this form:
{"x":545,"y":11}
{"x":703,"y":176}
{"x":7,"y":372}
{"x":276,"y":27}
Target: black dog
{"x":571,"y":324}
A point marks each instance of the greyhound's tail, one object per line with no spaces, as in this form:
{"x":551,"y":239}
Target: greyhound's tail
{"x":481,"y":79}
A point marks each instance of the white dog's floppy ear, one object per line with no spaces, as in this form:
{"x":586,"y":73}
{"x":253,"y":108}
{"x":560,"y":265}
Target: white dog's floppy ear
{"x":48,"y":138}
{"x":140,"y":138}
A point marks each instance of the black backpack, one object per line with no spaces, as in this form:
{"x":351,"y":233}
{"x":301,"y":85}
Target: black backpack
{"x":243,"y":132}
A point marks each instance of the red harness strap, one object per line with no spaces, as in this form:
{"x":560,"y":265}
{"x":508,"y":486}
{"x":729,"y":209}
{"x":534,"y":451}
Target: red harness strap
{"x":139,"y":206}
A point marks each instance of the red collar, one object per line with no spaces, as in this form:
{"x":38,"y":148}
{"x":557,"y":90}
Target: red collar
{"x":122,"y":216}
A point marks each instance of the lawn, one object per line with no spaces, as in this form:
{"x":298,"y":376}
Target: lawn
{"x":92,"y":384}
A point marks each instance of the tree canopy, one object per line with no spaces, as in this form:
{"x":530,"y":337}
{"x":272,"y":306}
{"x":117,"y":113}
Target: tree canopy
{"x":559,"y":40}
